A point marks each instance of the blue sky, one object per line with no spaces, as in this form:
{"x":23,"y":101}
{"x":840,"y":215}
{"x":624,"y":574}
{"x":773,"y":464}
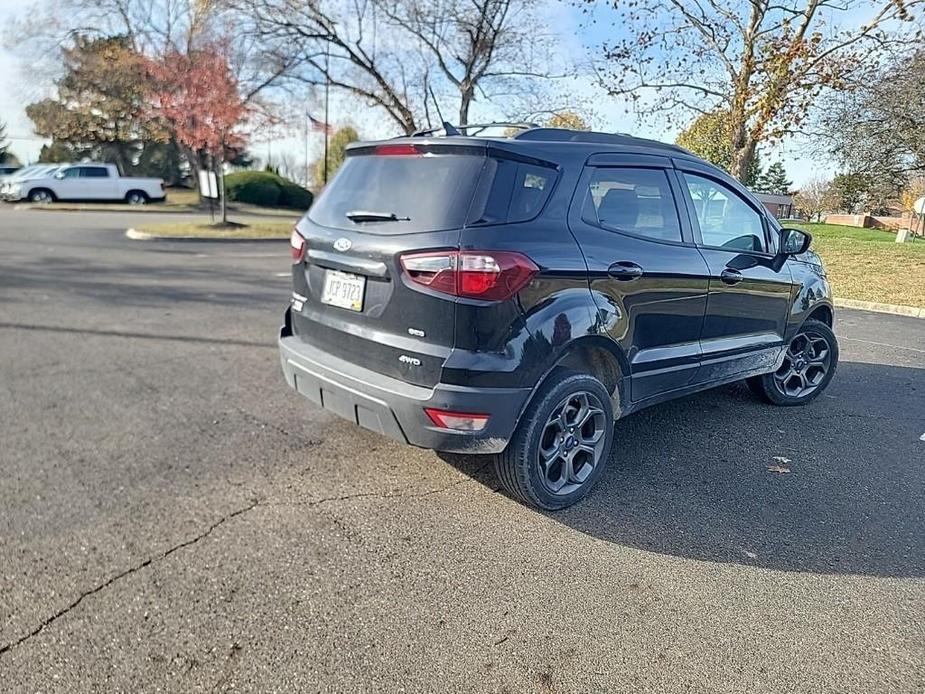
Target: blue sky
{"x":17,"y":89}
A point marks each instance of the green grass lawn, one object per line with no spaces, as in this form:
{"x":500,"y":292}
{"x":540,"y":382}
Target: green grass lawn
{"x":869,"y":265}
{"x":255,"y":229}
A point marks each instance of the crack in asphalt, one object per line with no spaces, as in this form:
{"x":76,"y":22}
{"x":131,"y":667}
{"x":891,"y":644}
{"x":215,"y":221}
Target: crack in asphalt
{"x":385,"y":495}
{"x":128,"y":572}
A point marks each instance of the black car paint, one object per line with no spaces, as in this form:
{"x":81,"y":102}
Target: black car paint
{"x":676,"y":329}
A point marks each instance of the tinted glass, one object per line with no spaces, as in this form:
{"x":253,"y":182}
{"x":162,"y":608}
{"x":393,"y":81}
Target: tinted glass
{"x":517,"y":191}
{"x":432,"y":191}
{"x":72,"y":173}
{"x":93,"y":172}
{"x":725,"y":219}
{"x":637,"y":201}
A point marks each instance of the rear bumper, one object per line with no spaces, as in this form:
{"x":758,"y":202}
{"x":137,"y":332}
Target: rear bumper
{"x":395,"y":408}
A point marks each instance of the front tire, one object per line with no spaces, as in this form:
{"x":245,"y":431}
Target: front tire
{"x":41,"y":196}
{"x":562,"y":443}
{"x":808,"y":368}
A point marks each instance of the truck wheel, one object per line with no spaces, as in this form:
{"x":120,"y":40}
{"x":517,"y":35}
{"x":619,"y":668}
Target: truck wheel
{"x":807,"y":369}
{"x":136,"y":197}
{"x":41,"y":196}
{"x":562,"y":443}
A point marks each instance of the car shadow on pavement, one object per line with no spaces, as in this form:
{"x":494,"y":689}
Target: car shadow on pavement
{"x":835,"y":487}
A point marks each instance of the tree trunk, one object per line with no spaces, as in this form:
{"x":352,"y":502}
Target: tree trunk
{"x":467,"y":96}
{"x":221,"y":186}
{"x":742,"y":158}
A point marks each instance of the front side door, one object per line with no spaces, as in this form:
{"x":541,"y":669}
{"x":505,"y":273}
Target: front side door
{"x":68,"y":185}
{"x":750,"y":285}
{"x":648,"y":279}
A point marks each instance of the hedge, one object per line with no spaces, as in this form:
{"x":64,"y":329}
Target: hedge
{"x":266,"y":189}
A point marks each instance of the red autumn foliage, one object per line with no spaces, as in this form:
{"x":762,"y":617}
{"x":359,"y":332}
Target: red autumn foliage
{"x":196,"y":95}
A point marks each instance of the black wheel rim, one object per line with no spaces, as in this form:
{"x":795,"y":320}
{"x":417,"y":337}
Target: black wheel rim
{"x":572,"y":443}
{"x":806,"y":363}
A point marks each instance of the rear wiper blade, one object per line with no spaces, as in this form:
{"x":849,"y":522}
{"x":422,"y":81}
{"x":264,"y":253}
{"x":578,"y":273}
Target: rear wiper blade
{"x":364,"y":216}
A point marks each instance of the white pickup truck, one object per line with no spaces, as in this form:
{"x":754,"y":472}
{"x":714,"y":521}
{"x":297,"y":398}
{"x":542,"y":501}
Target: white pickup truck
{"x":85,"y":182}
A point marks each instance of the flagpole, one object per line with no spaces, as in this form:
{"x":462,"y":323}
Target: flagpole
{"x":327,"y":127}
{"x":307,"y":181}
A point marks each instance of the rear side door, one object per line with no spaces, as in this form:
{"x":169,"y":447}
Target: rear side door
{"x":97,"y":183}
{"x":647,"y":277}
{"x":750,"y":286}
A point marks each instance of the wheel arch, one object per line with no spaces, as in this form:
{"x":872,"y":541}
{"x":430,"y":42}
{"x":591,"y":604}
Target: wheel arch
{"x":596,"y":356}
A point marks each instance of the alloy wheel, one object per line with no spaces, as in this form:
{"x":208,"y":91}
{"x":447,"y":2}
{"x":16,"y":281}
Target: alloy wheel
{"x":572,"y":442}
{"x":806,"y":363}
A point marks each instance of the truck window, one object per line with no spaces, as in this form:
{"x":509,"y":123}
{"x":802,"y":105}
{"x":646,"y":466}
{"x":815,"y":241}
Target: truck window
{"x":94,"y":172}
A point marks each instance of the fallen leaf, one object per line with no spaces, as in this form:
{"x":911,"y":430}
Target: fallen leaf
{"x":778,"y":468}
{"x":781,"y":459}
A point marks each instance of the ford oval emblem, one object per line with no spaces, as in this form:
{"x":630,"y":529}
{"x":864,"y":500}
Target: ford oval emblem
{"x":342,"y":244}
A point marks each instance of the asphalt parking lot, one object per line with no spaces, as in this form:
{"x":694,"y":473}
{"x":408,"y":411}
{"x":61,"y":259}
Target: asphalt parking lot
{"x":175,"y":519}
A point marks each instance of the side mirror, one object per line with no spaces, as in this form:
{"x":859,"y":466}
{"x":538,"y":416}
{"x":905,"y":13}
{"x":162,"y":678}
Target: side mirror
{"x":794,"y":241}
{"x":59,"y":175}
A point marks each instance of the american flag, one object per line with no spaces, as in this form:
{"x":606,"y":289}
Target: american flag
{"x":320,"y":126}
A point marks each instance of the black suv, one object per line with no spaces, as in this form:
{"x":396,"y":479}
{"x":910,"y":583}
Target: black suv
{"x":515,"y":295}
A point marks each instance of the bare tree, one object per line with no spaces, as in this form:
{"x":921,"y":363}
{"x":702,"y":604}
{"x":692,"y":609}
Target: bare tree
{"x":763,"y":62}
{"x":477,"y":46}
{"x":393,"y":54}
{"x":815,"y":198}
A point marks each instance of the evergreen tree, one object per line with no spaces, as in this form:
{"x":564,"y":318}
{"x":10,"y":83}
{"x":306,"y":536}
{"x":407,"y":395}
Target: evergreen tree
{"x":774,"y":180}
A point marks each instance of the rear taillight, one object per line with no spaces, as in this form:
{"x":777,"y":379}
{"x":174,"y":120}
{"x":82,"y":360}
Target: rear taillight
{"x":461,"y":421}
{"x":487,"y":275}
{"x":297,"y":246}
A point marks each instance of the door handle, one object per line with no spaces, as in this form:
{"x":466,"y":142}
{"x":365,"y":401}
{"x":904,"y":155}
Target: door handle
{"x":730,"y":276}
{"x":625,"y":271}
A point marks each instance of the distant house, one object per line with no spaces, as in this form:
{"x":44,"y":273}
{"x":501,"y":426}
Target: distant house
{"x":781,"y":206}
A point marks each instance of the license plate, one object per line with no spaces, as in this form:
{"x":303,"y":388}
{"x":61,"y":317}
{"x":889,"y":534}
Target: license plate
{"x":343,"y":290}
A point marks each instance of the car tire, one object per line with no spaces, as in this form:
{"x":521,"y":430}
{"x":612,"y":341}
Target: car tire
{"x":808,"y":367}
{"x":568,"y":421}
{"x":136,"y":197}
{"x":41,"y":196}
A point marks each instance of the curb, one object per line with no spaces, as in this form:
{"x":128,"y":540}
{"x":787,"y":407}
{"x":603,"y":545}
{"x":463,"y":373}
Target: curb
{"x":894,"y":309}
{"x":136,"y":235}
{"x":140,"y":209}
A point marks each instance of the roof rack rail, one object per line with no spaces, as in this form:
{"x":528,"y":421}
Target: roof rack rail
{"x":621,"y":139}
{"x":448,"y":129}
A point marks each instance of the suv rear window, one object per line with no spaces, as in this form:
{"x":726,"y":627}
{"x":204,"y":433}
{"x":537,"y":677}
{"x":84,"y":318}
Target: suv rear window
{"x":433,"y":191}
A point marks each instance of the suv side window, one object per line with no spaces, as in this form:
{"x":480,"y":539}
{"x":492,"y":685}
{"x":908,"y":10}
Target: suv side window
{"x":726,"y":221}
{"x":71,"y":173}
{"x":635,"y":201}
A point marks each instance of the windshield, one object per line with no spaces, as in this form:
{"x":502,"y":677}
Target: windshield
{"x":394,"y":194}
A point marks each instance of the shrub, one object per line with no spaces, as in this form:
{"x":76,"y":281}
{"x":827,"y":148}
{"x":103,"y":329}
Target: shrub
{"x":253,"y":187}
{"x":266,"y":189}
{"x":294,"y":195}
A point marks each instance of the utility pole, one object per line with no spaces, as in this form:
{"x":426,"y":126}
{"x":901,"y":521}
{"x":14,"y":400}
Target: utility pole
{"x":327,"y":89}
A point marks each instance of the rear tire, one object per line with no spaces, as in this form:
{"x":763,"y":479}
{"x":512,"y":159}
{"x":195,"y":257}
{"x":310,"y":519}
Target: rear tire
{"x":562,"y":443}
{"x":136,"y":197}
{"x":807,"y":369}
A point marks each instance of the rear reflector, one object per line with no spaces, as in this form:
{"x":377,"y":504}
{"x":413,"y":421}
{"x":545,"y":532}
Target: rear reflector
{"x":487,"y":275}
{"x":297,"y":246}
{"x":460,"y":421}
{"x":397,"y":150}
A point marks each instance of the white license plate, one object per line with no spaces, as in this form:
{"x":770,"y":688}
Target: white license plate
{"x":343,"y":290}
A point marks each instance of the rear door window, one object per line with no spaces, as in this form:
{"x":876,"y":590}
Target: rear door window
{"x":633,"y":201}
{"x":518,"y":192}
{"x":424,"y":191}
